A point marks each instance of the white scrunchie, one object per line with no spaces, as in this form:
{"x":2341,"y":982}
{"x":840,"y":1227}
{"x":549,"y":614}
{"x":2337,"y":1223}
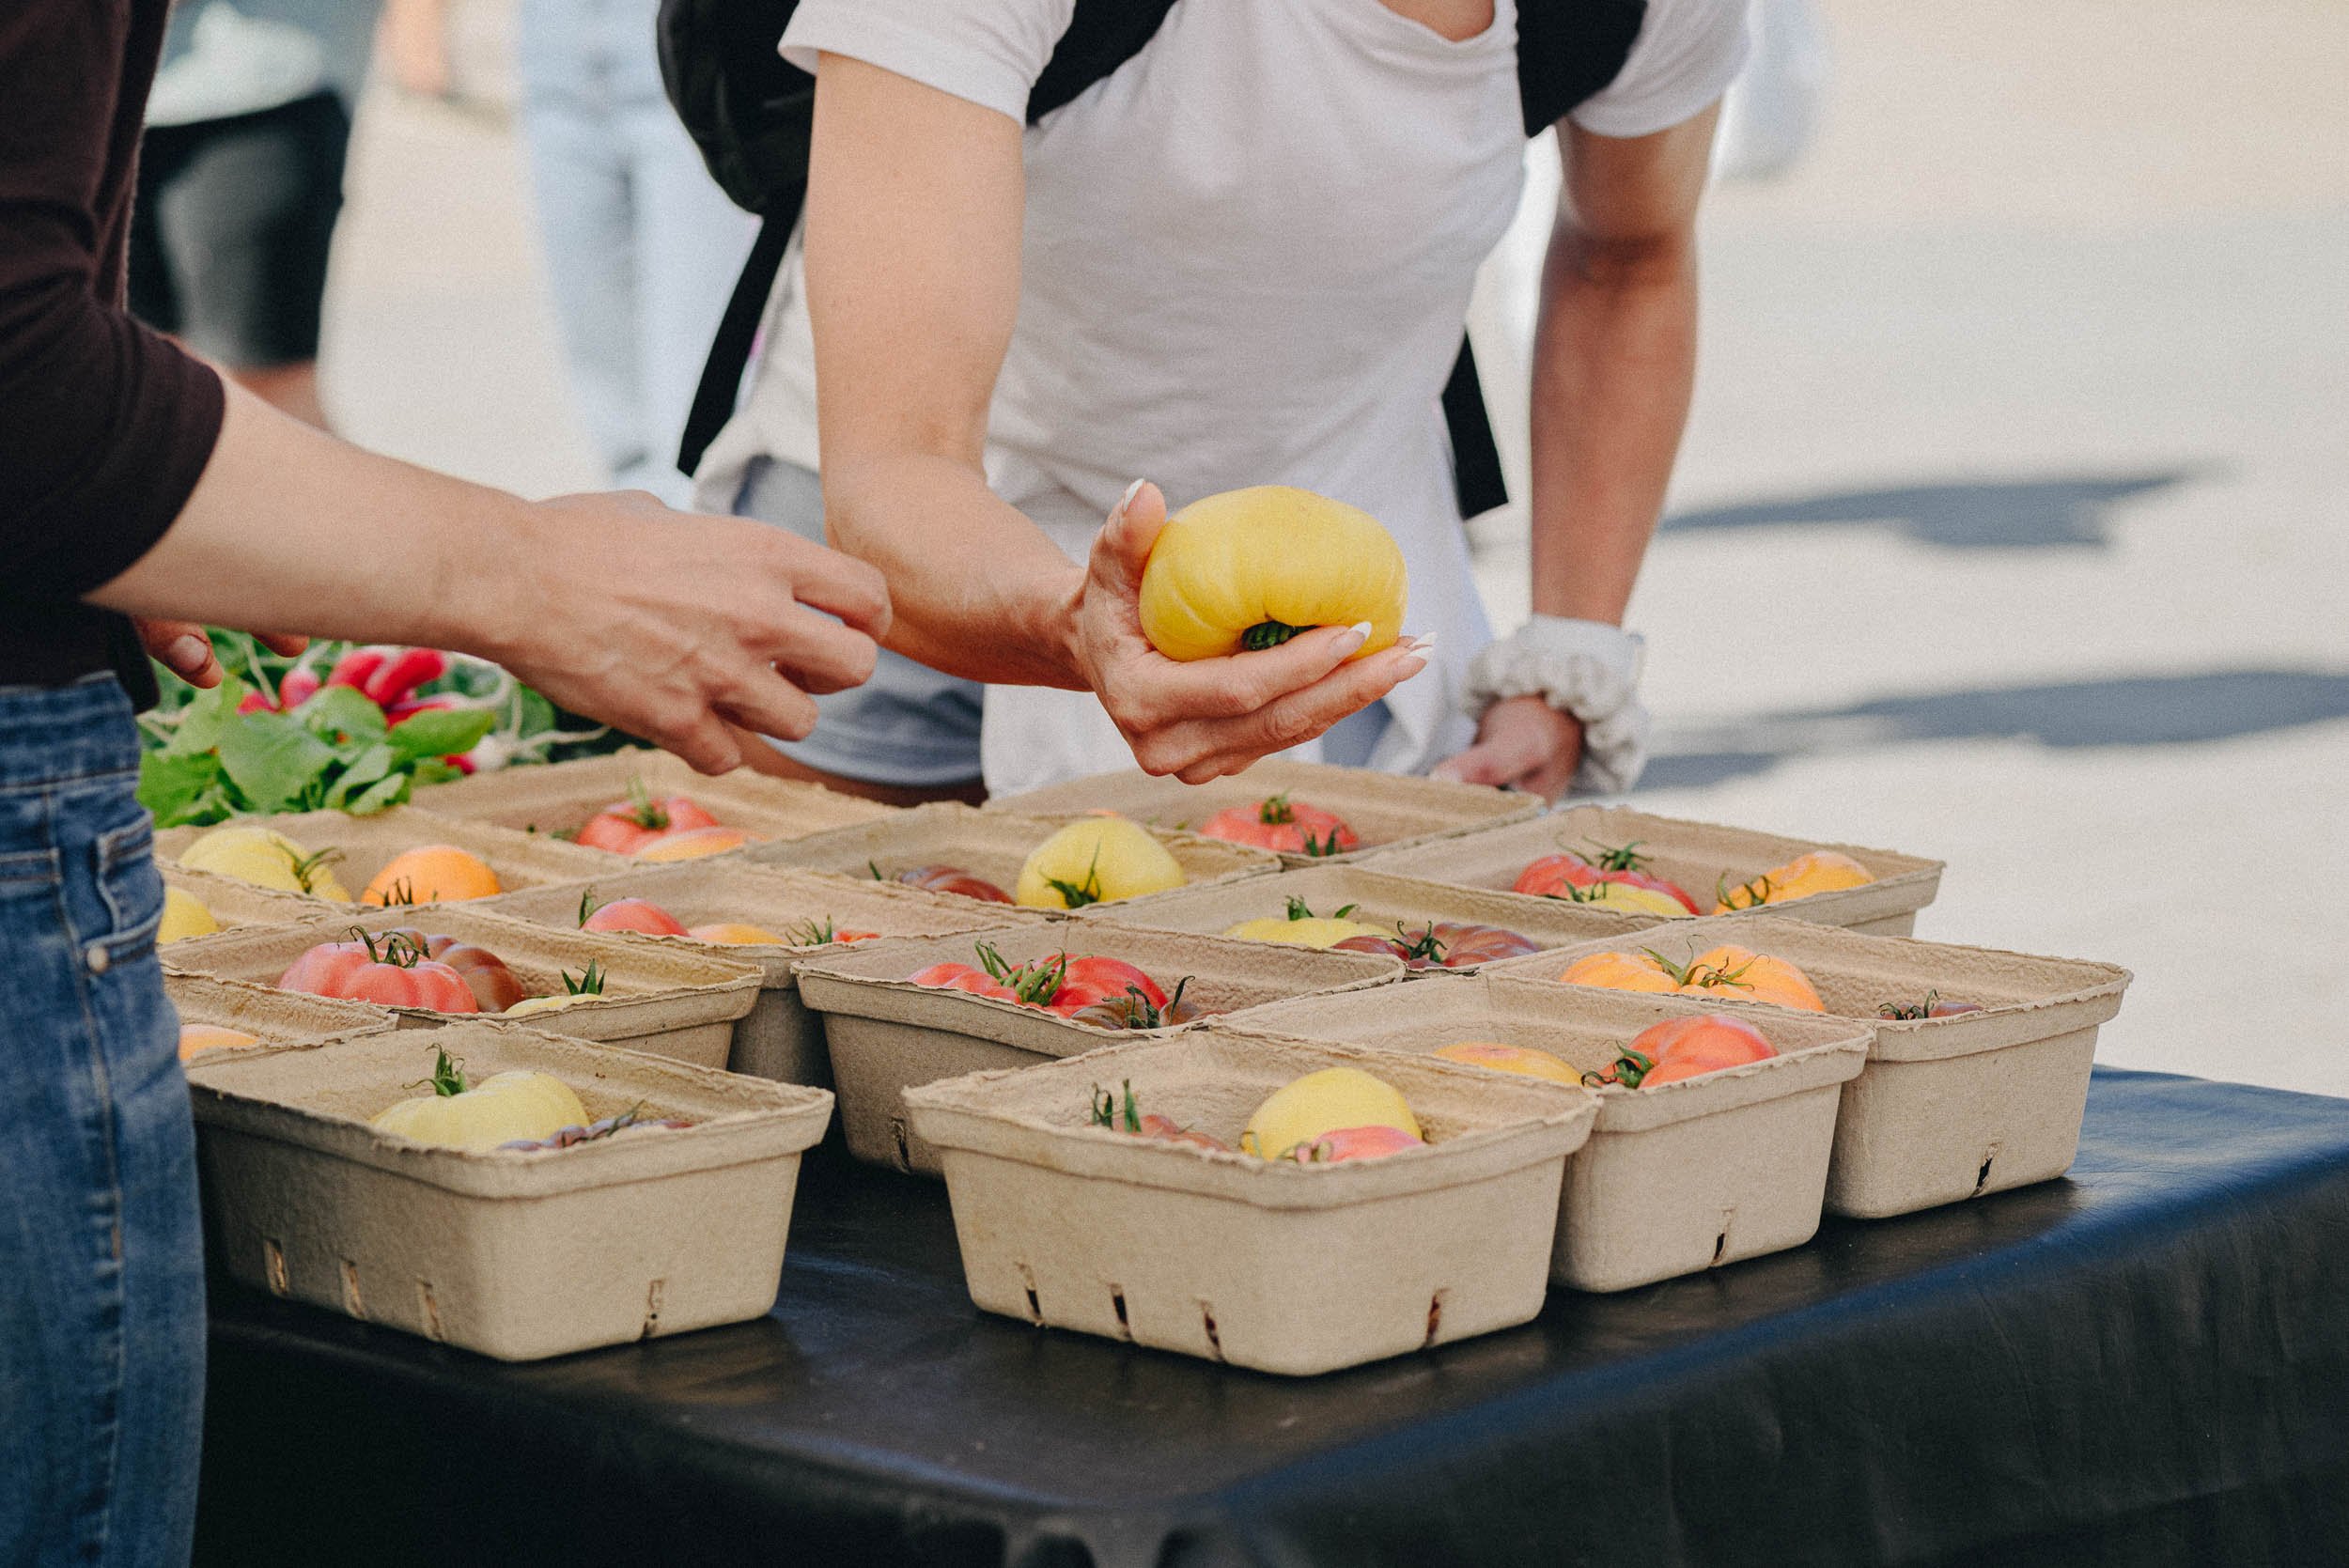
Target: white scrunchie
{"x":1586,"y":668}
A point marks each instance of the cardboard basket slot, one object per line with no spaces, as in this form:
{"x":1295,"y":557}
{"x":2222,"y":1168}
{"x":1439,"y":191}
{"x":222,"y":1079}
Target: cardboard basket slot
{"x":992,"y":846}
{"x":559,"y":799}
{"x":1700,"y":857}
{"x":514,"y":1254}
{"x":886,"y":1034}
{"x":675,"y":1004}
{"x":779,"y":1038}
{"x":1675,"y":1179}
{"x":366,"y":844}
{"x":234,"y":904}
{"x":1947,"y":1108}
{"x":1379,"y":899}
{"x":272,"y":1017}
{"x":1387,"y":811}
{"x":1069,"y":1225}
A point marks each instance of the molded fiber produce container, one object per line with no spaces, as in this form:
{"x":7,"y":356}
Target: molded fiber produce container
{"x":1382,"y":900}
{"x":992,"y":846}
{"x":779,"y":1038}
{"x":1263,"y":1263}
{"x":271,"y":1017}
{"x":367,"y":844}
{"x":1947,"y":1108}
{"x":679,"y":1004}
{"x":1675,"y":1179}
{"x":1701,"y":857}
{"x":516,"y":1254}
{"x":558,"y":798}
{"x":887,"y":1034}
{"x":1387,"y":811}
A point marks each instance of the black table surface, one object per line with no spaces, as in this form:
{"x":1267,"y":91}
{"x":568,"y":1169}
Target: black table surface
{"x":2144,"y":1362}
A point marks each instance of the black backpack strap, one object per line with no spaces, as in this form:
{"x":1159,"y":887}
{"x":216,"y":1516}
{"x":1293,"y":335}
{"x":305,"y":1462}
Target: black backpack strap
{"x":738,"y":329}
{"x":1476,"y":476}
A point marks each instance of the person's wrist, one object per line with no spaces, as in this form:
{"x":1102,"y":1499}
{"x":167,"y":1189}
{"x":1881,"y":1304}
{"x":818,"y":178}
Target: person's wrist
{"x":480,"y":610}
{"x":1056,"y":627}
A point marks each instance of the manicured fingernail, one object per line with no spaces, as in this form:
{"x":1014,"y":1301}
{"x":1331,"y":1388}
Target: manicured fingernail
{"x":1356,"y":635}
{"x":188,"y":653}
{"x":1127,"y":499}
{"x":1423,"y":646}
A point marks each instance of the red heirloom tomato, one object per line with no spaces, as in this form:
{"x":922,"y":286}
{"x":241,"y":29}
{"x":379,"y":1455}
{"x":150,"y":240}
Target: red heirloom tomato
{"x":1443,"y":944}
{"x":1087,"y":981}
{"x":1277,"y":822}
{"x":1546,"y":876}
{"x":1686,"y":1047}
{"x":485,"y":973}
{"x":624,"y":827}
{"x":961,"y":977}
{"x":628,"y":915}
{"x":947,"y":878}
{"x":392,"y":969}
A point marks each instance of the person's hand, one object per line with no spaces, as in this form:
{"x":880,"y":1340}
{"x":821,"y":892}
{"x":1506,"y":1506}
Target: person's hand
{"x":1204,"y":718}
{"x":185,"y":649}
{"x":674,"y":627}
{"x":1522,"y":743}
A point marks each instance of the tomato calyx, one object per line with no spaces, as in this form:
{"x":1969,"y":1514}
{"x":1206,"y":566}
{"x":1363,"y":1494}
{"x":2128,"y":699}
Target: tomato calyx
{"x":1107,"y":1111}
{"x":399,"y":949}
{"x":1269,"y":634}
{"x":1625,"y":857}
{"x":1932,"y":1007}
{"x":1594,"y":893}
{"x":813,"y":932}
{"x":588,"y":905}
{"x":448,"y":1075}
{"x":307,"y":867}
{"x":644,"y":810}
{"x":1710,"y":977}
{"x":1321,"y":849}
{"x":1275,"y":810}
{"x":1032,"y":984}
{"x":590,"y":983}
{"x":1078,"y":894}
{"x":1425,"y":945}
{"x":401,"y":895}
{"x":1299,"y":910}
{"x":1629,"y":1069}
{"x":1755,"y":893}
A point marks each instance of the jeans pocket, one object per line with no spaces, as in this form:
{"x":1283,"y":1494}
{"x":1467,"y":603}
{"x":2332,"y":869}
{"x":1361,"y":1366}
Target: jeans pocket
{"x":132,"y":889}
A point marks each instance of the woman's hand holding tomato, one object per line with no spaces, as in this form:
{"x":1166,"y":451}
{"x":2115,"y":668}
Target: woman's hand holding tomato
{"x":1201,"y":719}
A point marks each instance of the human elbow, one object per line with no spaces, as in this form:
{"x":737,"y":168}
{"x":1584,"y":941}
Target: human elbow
{"x":1621,"y":262}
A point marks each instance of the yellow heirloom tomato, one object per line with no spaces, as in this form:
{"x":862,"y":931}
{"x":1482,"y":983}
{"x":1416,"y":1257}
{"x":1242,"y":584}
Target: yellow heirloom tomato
{"x":1093,"y":858}
{"x":1251,"y":568}
{"x":498,"y":1109}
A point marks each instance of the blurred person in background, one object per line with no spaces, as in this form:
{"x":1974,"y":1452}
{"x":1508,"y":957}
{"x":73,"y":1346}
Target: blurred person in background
{"x":241,"y":180}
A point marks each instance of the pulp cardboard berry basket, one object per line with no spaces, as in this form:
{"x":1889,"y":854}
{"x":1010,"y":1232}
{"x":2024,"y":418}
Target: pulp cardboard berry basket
{"x":1701,"y":858}
{"x":679,"y":1004}
{"x":1406,"y":905}
{"x":559,"y":799}
{"x":232,"y":902}
{"x":1264,"y":1264}
{"x":1675,"y":1179}
{"x":514,"y":1254}
{"x":271,"y":1017}
{"x":1947,"y":1108}
{"x":887,"y":1034}
{"x":363,"y":845}
{"x":1387,"y":811}
{"x":779,"y":1038}
{"x":991,"y":845}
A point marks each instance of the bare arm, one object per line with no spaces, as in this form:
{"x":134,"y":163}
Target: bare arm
{"x":913,"y":222}
{"x":661,"y":622}
{"x":1614,"y":360}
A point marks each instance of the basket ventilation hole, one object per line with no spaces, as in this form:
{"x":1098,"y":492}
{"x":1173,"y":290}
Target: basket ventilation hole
{"x":652,"y":1308}
{"x":1981,"y":1177}
{"x":1435,"y":1318}
{"x":351,"y":1303}
{"x":432,"y":1310}
{"x":273,"y":1265}
{"x":1207,"y":1321}
{"x":1035,"y":1309}
{"x":1117,"y":1303}
{"x":1721,"y":1242}
{"x":905,"y":1156}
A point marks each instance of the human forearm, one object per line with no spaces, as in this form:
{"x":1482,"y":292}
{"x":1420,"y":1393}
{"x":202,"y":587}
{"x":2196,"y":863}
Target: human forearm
{"x":976,"y":589}
{"x":1614,"y":361}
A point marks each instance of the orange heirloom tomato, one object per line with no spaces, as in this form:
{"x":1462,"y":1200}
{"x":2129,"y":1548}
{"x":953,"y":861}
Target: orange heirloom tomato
{"x":1821,"y":871}
{"x":1690,"y":1047}
{"x":198,"y":1038}
{"x":1620,"y":972}
{"x":691,"y":844}
{"x":1250,"y":569}
{"x":1724,"y":972}
{"x":431,"y":875}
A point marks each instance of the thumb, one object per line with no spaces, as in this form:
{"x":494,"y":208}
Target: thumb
{"x":1123,"y":550}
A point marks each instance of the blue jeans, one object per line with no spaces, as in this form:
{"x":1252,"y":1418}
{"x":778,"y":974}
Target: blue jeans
{"x":641,"y":247}
{"x":102,"y":1274}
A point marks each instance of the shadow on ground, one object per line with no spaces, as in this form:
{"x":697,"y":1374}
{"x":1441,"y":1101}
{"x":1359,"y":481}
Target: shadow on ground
{"x":2145,"y":710}
{"x":2013,"y":514}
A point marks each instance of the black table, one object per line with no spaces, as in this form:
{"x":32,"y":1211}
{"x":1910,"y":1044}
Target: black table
{"x":2145,"y":1363}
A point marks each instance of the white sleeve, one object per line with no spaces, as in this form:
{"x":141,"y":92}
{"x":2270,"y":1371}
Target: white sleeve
{"x":1686,"y":55}
{"x":989,"y":51}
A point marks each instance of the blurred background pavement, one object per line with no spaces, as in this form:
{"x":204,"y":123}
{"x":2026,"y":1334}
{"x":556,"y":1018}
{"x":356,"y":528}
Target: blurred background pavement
{"x":2012,"y":526}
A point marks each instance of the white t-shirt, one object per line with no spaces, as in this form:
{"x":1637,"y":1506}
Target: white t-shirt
{"x":1246,"y":258}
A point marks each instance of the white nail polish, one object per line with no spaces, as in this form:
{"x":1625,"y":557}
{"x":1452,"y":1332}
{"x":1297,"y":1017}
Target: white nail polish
{"x":1424,"y":646}
{"x":1127,"y":499}
{"x":1361,"y":632}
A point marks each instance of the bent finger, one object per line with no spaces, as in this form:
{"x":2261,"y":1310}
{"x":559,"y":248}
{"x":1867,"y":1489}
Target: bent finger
{"x":839,"y":585}
{"x":817,"y":652}
{"x":1164,"y":691}
{"x":770,"y":705}
{"x":1296,"y":716}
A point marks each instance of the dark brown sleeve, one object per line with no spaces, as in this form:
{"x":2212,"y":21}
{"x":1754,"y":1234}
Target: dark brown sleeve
{"x":104,"y":426}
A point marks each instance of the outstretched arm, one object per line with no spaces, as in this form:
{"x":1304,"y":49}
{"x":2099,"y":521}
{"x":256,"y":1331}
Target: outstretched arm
{"x":914,"y":205}
{"x":1614,"y":360}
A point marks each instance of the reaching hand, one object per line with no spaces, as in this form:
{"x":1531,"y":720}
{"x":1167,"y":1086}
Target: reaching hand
{"x":1204,"y":718}
{"x":185,"y":649}
{"x":1522,"y":743}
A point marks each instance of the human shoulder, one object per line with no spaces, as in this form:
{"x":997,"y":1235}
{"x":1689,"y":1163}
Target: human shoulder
{"x":1685,"y":58}
{"x":988,"y":51}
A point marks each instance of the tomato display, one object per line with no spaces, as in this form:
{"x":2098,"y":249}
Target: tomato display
{"x":393,"y":970}
{"x":1552,"y":876}
{"x":1820,"y":871}
{"x":1277,"y":822}
{"x":1250,"y":569}
{"x":626,"y":826}
{"x":946,"y":879}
